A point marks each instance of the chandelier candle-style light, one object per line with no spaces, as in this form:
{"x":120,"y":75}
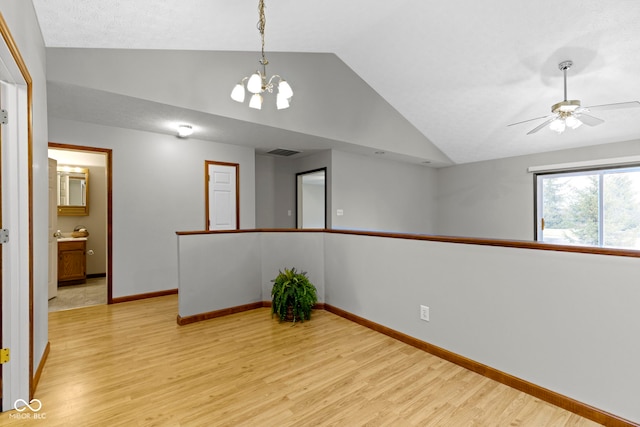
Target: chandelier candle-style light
{"x":257,"y":83}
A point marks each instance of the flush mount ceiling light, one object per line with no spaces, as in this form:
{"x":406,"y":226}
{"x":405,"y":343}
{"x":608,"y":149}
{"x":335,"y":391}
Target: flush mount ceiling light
{"x":257,"y":83}
{"x":569,"y":113}
{"x":184,"y":131}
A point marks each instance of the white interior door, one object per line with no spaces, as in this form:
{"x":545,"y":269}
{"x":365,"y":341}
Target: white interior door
{"x":222,"y":197}
{"x":53,"y":227}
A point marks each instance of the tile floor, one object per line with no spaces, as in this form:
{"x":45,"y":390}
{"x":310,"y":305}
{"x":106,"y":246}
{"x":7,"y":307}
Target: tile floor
{"x":94,"y":292}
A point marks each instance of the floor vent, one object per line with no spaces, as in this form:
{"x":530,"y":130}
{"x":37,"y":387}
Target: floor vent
{"x":282,"y":152}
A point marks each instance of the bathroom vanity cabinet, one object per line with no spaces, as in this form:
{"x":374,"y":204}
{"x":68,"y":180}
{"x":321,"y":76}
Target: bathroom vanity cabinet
{"x":72,"y":262}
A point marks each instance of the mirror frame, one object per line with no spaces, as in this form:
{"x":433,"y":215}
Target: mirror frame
{"x":75,"y":210}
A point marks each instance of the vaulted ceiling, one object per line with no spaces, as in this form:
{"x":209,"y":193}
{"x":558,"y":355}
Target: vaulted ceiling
{"x":456,"y":72}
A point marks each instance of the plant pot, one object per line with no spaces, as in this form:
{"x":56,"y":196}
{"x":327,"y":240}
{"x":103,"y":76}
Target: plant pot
{"x":289,"y":316}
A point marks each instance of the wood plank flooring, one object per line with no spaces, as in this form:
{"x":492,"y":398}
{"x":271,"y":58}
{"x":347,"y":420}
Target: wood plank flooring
{"x":130,"y":364}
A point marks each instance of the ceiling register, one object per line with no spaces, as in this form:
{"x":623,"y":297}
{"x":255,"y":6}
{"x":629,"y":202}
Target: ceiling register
{"x":257,"y":83}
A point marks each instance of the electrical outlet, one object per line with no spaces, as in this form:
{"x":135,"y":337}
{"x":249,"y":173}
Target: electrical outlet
{"x":424,"y":313}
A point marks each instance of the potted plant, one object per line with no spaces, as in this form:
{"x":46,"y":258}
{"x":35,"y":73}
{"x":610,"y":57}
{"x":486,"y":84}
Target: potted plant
{"x":292,"y":296}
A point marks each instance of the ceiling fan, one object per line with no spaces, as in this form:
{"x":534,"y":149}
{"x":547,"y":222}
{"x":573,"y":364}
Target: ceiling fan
{"x":569,"y":113}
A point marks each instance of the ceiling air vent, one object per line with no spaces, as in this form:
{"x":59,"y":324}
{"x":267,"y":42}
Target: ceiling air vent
{"x":282,"y":152}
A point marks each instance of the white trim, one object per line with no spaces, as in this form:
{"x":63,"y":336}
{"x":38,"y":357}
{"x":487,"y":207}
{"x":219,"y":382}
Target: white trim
{"x":15,"y":262}
{"x":616,"y":161}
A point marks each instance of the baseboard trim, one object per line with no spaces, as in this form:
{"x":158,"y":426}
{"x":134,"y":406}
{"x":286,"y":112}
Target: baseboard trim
{"x":534,"y":390}
{"x":218,"y":313}
{"x":143,"y":296}
{"x":38,"y":373}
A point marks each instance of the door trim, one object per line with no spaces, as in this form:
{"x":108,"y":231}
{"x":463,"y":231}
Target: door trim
{"x":26,"y":76}
{"x":208,"y":163}
{"x":109,"y":167}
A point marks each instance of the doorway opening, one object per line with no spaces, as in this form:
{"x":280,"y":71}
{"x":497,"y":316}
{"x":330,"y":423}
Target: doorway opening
{"x":311,"y":199}
{"x":82,"y":249}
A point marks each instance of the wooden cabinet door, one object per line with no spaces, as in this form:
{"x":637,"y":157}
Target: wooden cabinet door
{"x":71,"y":261}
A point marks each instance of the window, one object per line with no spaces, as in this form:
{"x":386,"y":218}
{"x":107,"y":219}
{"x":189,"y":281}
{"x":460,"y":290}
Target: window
{"x":593,"y":208}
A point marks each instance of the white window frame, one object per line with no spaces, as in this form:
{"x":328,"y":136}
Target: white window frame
{"x":600,"y":172}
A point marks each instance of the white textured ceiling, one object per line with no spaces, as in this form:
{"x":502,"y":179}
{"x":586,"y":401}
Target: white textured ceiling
{"x":459,"y":71}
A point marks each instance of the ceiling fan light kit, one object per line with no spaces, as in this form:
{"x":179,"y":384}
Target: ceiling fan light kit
{"x":570,"y":113}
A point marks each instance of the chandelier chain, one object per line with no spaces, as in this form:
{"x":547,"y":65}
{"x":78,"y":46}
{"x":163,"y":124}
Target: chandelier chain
{"x":261,"y":24}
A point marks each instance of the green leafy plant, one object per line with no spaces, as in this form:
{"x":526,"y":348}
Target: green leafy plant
{"x":292,"y":296}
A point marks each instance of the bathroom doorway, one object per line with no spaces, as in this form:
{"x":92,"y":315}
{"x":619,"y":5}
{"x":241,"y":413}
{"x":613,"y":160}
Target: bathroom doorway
{"x":83,"y":232}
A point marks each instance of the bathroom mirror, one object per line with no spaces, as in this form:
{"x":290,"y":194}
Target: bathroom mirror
{"x":73,"y":191}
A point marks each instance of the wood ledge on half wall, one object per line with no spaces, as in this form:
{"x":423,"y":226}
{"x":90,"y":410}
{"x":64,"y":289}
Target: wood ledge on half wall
{"x":518,"y":244}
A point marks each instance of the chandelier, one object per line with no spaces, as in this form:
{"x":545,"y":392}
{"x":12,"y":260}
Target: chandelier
{"x":257,"y":83}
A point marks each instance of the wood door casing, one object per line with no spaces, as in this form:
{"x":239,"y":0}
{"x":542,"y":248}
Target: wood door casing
{"x":232,"y":201}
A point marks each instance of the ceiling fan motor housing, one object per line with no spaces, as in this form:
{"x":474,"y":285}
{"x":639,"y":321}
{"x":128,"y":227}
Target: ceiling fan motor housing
{"x":565,"y":107}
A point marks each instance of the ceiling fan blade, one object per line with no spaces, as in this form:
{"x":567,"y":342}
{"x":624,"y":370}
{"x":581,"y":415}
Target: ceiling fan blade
{"x":589,"y":120}
{"x":530,"y":120}
{"x":537,"y":128}
{"x":616,"y":106}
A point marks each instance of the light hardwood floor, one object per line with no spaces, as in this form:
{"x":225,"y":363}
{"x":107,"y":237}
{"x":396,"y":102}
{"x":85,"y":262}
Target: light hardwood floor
{"x":130,"y":364}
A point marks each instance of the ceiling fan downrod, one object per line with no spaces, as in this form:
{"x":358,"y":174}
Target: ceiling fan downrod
{"x":564,"y":66}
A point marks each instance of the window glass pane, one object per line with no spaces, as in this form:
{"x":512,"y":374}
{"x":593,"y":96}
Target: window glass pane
{"x":570,"y":209}
{"x":621,"y":222}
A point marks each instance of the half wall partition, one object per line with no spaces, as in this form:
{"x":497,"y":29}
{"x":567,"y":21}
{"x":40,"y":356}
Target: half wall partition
{"x":538,"y":317}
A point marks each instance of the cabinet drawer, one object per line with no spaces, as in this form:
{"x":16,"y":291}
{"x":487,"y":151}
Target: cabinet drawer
{"x":71,"y":246}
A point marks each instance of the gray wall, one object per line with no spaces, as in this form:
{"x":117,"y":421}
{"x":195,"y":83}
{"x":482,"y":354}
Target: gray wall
{"x":332,"y":103}
{"x":276,"y":187}
{"x":158,"y":189}
{"x":374,"y":194}
{"x":565,"y":326}
{"x":383,"y":195}
{"x":495,"y":199}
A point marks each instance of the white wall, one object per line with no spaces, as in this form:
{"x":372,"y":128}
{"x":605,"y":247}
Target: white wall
{"x":158,"y":189}
{"x":494,"y":199}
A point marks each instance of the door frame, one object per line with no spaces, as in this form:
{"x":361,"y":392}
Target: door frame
{"x":108,"y":152}
{"x":22,"y":129}
{"x":298,"y":189}
{"x":208,"y":163}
